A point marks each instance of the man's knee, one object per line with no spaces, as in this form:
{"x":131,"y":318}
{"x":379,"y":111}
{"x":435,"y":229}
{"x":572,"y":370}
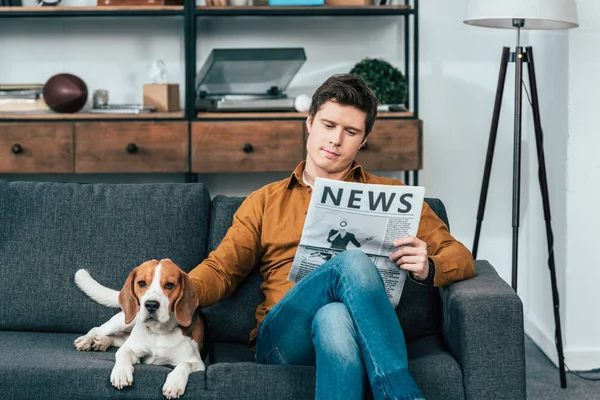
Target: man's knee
{"x":358,"y":267}
{"x":333,"y":332}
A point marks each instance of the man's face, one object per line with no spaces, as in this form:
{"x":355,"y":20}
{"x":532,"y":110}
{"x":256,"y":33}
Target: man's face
{"x":335,"y":135}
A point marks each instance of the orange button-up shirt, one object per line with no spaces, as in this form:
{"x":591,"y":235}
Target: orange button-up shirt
{"x":266,"y":231}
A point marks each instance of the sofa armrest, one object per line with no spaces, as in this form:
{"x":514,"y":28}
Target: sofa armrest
{"x":482,"y":324}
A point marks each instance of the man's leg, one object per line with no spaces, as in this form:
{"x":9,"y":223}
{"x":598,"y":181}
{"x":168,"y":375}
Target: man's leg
{"x":340,"y":369}
{"x":349,"y":278}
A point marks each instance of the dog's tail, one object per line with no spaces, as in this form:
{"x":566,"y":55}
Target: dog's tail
{"x":101,"y":294}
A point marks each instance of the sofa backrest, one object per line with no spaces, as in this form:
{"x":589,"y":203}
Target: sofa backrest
{"x":233,"y":318}
{"x":50,"y":230}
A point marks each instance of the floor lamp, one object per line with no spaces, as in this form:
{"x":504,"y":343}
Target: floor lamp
{"x":518,"y":15}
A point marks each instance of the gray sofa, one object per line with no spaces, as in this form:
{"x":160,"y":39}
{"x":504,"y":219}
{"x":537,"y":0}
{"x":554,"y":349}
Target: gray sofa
{"x":464,"y":341}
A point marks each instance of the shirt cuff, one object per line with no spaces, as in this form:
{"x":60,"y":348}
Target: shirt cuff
{"x":429,"y":280}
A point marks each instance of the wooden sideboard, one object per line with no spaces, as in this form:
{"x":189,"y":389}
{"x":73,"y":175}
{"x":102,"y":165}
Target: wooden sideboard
{"x":212,"y":143}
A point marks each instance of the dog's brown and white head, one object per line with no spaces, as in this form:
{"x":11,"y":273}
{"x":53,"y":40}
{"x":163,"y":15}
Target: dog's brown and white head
{"x":157,"y":291}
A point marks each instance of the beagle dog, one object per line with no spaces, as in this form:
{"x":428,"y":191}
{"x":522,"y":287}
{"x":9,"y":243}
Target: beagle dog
{"x":160,"y":323}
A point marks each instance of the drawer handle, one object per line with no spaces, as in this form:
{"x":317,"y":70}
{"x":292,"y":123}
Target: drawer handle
{"x":248,"y":148}
{"x":16,"y":148}
{"x":132,"y":148}
{"x":364,"y":146}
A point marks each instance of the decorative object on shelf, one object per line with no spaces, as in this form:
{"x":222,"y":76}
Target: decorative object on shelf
{"x":100,"y":98}
{"x":22,"y":98}
{"x":254,"y":79}
{"x":131,"y":3}
{"x":302,"y":103}
{"x":65,"y":93}
{"x":522,"y":14}
{"x":349,"y":3}
{"x":158,"y":72}
{"x":160,"y":94}
{"x":123,"y":109}
{"x":388,"y":83}
{"x":163,"y":96}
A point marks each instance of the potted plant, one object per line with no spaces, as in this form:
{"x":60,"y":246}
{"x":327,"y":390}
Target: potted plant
{"x":388,"y":83}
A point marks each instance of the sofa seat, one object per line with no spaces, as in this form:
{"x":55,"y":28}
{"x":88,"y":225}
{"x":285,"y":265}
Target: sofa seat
{"x":46,"y":366}
{"x":233,"y":374}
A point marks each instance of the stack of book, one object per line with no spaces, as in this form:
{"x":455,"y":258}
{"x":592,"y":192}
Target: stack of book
{"x":22,"y":98}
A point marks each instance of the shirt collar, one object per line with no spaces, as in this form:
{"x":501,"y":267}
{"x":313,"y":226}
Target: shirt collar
{"x":356,"y":174}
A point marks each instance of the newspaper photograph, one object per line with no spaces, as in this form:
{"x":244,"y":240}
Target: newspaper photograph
{"x":368,"y":217}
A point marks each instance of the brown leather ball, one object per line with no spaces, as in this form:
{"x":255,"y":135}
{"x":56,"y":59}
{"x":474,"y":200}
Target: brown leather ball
{"x":65,"y":93}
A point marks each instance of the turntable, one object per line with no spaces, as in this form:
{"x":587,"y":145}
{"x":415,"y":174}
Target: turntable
{"x":248,"y":80}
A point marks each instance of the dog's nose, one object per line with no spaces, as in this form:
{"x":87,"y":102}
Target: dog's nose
{"x":151,"y":305}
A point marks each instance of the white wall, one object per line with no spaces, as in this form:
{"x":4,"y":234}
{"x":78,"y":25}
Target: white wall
{"x":583,"y":193}
{"x":458,"y":75}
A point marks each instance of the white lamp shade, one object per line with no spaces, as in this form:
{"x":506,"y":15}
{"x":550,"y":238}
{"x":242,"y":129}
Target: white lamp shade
{"x":537,"y":14}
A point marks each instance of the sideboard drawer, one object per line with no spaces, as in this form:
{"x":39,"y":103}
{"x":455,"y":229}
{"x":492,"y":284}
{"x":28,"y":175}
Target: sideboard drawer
{"x":36,"y":148}
{"x":113,"y":147}
{"x":246,"y":146}
{"x":393,"y":145}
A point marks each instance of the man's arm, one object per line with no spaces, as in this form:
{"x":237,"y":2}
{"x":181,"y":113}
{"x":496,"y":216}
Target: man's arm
{"x":235,"y":257}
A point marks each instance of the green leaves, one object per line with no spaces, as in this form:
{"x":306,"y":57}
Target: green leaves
{"x":388,"y":83}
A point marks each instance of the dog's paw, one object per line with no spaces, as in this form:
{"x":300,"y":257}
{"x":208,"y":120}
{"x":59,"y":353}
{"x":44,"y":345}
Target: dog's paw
{"x":84,"y":343}
{"x":91,"y":343}
{"x":121,"y":376}
{"x":101,"y":343}
{"x":174,"y":386}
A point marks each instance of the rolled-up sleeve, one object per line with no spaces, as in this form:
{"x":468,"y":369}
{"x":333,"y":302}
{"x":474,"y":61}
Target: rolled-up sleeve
{"x":452,"y":260}
{"x":235,"y":257}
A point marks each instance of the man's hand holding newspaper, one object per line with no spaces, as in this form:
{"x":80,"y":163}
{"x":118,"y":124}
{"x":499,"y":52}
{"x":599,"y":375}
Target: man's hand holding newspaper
{"x":380,"y":220}
{"x":412,"y":256}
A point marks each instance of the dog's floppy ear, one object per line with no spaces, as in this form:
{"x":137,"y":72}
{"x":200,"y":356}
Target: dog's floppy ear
{"x":128,"y":300}
{"x":186,"y":302}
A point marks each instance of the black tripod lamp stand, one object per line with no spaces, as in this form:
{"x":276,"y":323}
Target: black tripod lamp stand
{"x":522,"y":14}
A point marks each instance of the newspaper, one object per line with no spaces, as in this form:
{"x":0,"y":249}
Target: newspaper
{"x":345,"y":215}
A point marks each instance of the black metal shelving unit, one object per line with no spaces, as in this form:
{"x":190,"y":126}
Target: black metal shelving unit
{"x":190,"y":13}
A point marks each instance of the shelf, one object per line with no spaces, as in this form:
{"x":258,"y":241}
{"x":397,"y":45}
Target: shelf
{"x":140,"y":11}
{"x":286,"y":115}
{"x":304,"y":11}
{"x":20,"y":117}
{"x":103,"y":11}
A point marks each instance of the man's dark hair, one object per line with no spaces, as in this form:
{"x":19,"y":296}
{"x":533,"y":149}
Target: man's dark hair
{"x":347,"y":90}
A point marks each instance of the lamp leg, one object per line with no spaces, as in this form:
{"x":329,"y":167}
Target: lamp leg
{"x":546,"y":205}
{"x":516,"y":200}
{"x":490,"y":149}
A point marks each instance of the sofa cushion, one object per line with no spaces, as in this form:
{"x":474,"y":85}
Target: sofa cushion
{"x":47,"y":366}
{"x":50,"y":230}
{"x":434,"y":370}
{"x":233,"y":318}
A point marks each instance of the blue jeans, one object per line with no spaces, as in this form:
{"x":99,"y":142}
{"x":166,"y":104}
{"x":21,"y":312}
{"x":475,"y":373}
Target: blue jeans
{"x":340,"y":319}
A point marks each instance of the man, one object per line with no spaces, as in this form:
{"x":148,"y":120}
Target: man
{"x":338,"y":317}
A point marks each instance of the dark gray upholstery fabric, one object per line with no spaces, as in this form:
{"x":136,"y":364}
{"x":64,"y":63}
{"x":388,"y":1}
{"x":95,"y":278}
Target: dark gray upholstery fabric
{"x":249,"y":380}
{"x":233,"y":318}
{"x":50,"y":230}
{"x":47,"y":366}
{"x":434,"y":369}
{"x":483,"y":321}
